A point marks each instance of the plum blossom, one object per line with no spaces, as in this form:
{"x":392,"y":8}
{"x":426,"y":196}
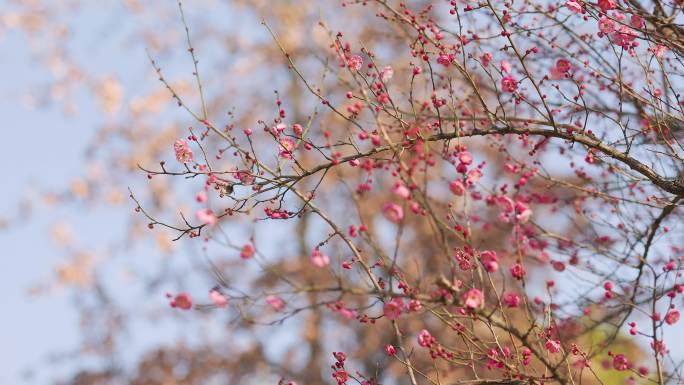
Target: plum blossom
{"x":445,"y":59}
{"x":574,"y":6}
{"x":341,"y":376}
{"x":386,"y":73}
{"x":247,"y":251}
{"x":392,"y":308}
{"x":217,"y":298}
{"x":473,"y":176}
{"x":672,"y":317}
{"x":509,"y":84}
{"x":506,"y":66}
{"x":553,"y":346}
{"x":457,"y":187}
{"x":414,"y":305}
{"x":624,"y":36}
{"x":465,"y":157}
{"x":636,"y":21}
{"x":390,"y":350}
{"x":561,"y":68}
{"x":606,"y":5}
{"x":620,"y":362}
{"x":425,"y":339}
{"x":473,"y":299}
{"x":606,"y":25}
{"x":276,"y":302}
{"x":523,"y":213}
{"x":182,"y":301}
{"x":658,"y":50}
{"x":486,"y":58}
{"x":401,"y":190}
{"x":659,"y":347}
{"x":206,"y":216}
{"x":393,"y":212}
{"x":318,"y":259}
{"x":355,"y":62}
{"x":201,"y":196}
{"x":489,"y":260}
{"x":183,"y":151}
{"x":287,"y":145}
{"x":511,"y":300}
{"x":517,"y":271}
{"x":505,"y":204}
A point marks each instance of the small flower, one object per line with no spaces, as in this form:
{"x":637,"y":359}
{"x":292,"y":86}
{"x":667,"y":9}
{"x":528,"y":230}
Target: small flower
{"x":624,"y":36}
{"x":206,"y":216}
{"x":486,"y":58}
{"x":247,"y":251}
{"x":511,"y":300}
{"x":217,"y":298}
{"x":465,"y":157}
{"x":473,"y":176}
{"x":318,"y":259}
{"x":392,"y":308}
{"x":341,"y":376}
{"x":287,"y":145}
{"x":606,"y":5}
{"x":457,"y":188}
{"x":355,"y":62}
{"x":523,"y":213}
{"x":201,"y":196}
{"x":517,"y":271}
{"x":445,"y":59}
{"x":425,"y":339}
{"x":401,"y":190}
{"x":659,"y":50}
{"x":340,"y":357}
{"x":390,"y":350}
{"x":473,"y":299}
{"x":386,"y":73}
{"x":672,"y":317}
{"x":563,"y":65}
{"x":553,"y":346}
{"x":414,"y":305}
{"x":506,"y":66}
{"x":620,"y":362}
{"x":574,"y":6}
{"x":183,"y":151}
{"x":505,"y":203}
{"x":509,"y":84}
{"x":659,"y":347}
{"x":606,"y":25}
{"x":636,"y":21}
{"x":489,"y":260}
{"x":393,"y":212}
{"x":276,"y":302}
{"x":181,"y":300}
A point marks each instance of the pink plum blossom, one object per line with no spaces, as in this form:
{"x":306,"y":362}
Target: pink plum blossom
{"x":183,"y":151}
{"x":277,"y":303}
{"x":392,"y":309}
{"x":473,"y":299}
{"x":217,"y":298}
{"x":206,"y":216}
{"x":393,"y":212}
{"x":318,"y":259}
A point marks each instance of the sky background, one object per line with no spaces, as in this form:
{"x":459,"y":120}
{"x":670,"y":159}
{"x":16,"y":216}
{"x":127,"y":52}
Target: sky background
{"x":44,"y":149}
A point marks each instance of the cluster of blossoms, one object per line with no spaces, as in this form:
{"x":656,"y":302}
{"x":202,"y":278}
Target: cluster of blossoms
{"x":452,"y":170}
{"x":393,"y":308}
